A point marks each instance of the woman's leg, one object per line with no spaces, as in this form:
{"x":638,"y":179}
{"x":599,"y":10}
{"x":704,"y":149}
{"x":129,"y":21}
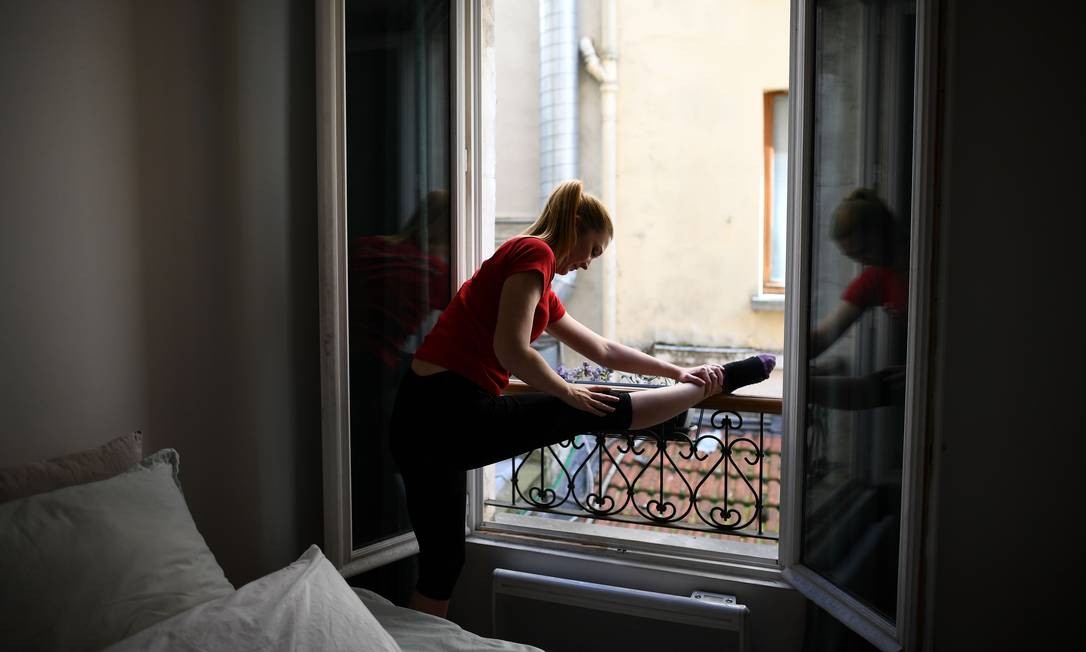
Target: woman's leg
{"x":501,"y":427}
{"x":658,"y":405}
{"x":436,"y":503}
{"x":436,"y":488}
{"x":654,"y":406}
{"x":481,"y":429}
{"x":506,"y":426}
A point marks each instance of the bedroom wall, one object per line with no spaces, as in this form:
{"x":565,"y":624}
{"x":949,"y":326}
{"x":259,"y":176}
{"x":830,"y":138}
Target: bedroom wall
{"x":1007,"y":420}
{"x":158,"y":252}
{"x":157,"y":260}
{"x":72,"y":343}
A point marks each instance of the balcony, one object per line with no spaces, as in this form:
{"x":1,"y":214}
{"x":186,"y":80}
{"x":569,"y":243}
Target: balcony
{"x":713,"y":471}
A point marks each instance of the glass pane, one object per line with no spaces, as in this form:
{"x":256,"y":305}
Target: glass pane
{"x":398,"y":172}
{"x":779,"y":204}
{"x":858,"y":285}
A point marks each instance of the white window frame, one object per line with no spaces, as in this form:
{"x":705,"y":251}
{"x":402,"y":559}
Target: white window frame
{"x":472,"y":241}
{"x":877,"y":630}
{"x":676,"y":556}
{"x":332,"y":259}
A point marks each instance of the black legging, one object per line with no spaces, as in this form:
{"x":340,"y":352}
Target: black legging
{"x":442,"y":426}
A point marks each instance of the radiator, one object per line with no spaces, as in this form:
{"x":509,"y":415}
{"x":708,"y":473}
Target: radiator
{"x":558,"y":614}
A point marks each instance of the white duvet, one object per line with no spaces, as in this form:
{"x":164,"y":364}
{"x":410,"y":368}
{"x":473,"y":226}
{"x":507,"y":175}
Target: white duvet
{"x":307,"y":606}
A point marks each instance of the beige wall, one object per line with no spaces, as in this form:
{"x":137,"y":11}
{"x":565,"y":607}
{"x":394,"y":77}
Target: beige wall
{"x":516,"y":63}
{"x":516,"y":143}
{"x":690,"y":161}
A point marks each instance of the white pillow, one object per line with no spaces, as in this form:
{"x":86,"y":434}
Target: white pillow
{"x":305,"y":606}
{"x":87,"y":565}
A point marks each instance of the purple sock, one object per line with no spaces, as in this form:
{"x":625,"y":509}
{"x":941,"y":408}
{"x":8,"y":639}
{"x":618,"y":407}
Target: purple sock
{"x":752,"y":370}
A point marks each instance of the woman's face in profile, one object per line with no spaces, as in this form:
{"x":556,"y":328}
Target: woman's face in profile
{"x":588,"y":247}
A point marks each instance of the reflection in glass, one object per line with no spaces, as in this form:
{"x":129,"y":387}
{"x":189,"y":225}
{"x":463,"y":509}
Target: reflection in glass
{"x":398,"y":227}
{"x":858,"y":275}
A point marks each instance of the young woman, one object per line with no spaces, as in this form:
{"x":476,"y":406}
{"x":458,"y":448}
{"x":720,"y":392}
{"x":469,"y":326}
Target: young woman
{"x":450,"y":416}
{"x":865,"y":230}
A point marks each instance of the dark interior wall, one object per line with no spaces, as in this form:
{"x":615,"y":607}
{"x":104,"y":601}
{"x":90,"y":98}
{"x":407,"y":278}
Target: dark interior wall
{"x":1010,"y":360}
{"x":71,"y":331}
{"x":159,"y":252}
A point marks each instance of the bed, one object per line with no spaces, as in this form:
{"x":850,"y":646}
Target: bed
{"x":93,"y":557}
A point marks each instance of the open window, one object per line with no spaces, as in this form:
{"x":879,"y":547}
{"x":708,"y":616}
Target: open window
{"x":857,"y":315}
{"x":392,"y":253}
{"x":841,"y":516}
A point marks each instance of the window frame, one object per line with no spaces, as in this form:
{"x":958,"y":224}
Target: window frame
{"x":473,"y":201}
{"x":470,"y":239}
{"x":332,"y":259}
{"x":903,"y":633}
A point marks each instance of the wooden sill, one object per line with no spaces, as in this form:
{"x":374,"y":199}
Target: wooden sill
{"x":730,"y":402}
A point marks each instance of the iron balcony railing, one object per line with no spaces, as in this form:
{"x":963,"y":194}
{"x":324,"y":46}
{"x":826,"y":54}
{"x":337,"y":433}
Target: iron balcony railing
{"x":715,"y":469}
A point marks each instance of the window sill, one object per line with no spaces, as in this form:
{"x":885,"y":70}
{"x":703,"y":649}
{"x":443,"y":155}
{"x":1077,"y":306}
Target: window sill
{"x":751,"y":570}
{"x":745,"y":399}
{"x":767,"y":303}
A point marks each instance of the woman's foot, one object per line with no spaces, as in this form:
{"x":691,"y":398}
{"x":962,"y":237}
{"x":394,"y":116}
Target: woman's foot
{"x":752,"y":370}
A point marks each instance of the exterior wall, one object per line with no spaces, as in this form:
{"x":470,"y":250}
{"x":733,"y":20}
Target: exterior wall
{"x":516,"y":42}
{"x":689,"y":213}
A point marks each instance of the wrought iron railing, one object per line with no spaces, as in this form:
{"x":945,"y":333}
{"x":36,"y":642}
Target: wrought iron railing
{"x":714,"y":469}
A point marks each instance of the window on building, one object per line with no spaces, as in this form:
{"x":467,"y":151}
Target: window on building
{"x":775,"y":112}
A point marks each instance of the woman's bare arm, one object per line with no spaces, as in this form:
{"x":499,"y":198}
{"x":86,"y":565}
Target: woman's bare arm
{"x":512,"y":346}
{"x":608,"y":353}
{"x":615,"y":355}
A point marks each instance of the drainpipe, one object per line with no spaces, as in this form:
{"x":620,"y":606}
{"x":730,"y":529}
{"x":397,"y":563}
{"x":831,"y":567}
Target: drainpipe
{"x":604,"y":69}
{"x":558,"y":118}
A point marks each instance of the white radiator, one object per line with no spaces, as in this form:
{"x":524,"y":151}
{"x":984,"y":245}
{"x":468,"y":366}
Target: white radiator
{"x":558,"y":615}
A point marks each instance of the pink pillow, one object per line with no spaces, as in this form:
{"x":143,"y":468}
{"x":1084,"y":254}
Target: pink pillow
{"x":81,"y":467}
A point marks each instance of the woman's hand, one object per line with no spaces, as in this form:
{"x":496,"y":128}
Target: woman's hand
{"x":710,"y":377}
{"x":590,"y":398}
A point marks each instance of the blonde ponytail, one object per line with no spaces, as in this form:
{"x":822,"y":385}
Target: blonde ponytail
{"x":557,"y":225}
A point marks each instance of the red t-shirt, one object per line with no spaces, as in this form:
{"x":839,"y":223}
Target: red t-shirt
{"x":879,"y":286}
{"x":387,"y":285}
{"x":463,"y":338}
